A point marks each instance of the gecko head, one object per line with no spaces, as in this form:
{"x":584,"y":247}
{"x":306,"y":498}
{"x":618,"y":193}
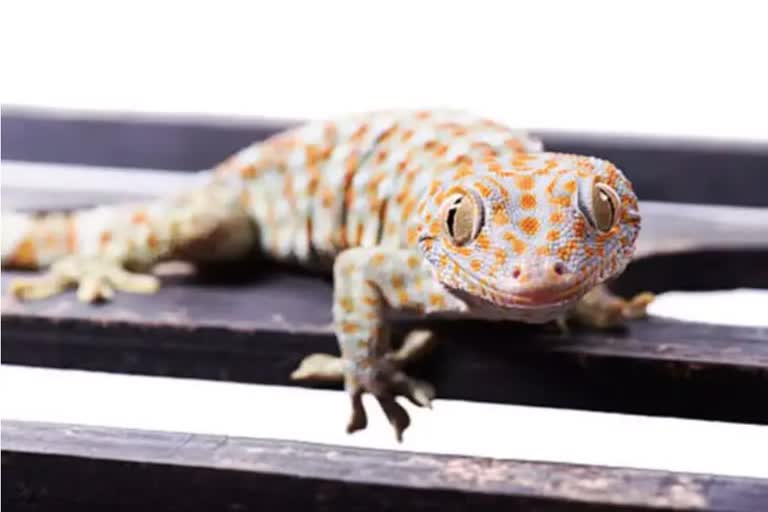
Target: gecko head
{"x":527,"y":239}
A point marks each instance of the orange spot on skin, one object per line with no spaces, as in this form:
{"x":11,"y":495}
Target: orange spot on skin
{"x":436,"y":301}
{"x":529,"y":225}
{"x":407,"y":210}
{"x":500,"y":256}
{"x":499,"y":215}
{"x":139,"y":217}
{"x":564,"y":201}
{"x":518,"y":246}
{"x":346,"y":304}
{"x":105,"y":237}
{"x":542,"y":251}
{"x":463,"y":160}
{"x":527,"y":201}
{"x":406,"y":136}
{"x":248,"y":171}
{"x":494,"y":167}
{"x":377,"y":259}
{"x":381,"y":156}
{"x":550,"y":188}
{"x":25,"y":254}
{"x":514,"y":144}
{"x":569,"y":186}
{"x":434,"y":228}
{"x":411,"y":236}
{"x":326,"y":201}
{"x":359,"y":133}
{"x":578,"y":228}
{"x":462,"y":172}
{"x":523,"y":182}
{"x":349,"y":328}
{"x":481,"y":242}
{"x":412,"y":262}
{"x":370,"y":301}
{"x":462,"y":251}
{"x":152,"y":241}
{"x":565,"y":252}
{"x":71,"y":234}
{"x":475,"y":265}
{"x":484,"y":191}
{"x":555,"y":217}
{"x":397,"y":281}
{"x":552,"y":235}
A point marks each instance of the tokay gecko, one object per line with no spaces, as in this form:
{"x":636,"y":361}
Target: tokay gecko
{"x":435,"y":212}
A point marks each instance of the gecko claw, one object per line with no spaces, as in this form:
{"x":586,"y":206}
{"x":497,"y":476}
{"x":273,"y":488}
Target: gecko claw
{"x":395,"y":413}
{"x":358,"y":420}
{"x":418,"y":392}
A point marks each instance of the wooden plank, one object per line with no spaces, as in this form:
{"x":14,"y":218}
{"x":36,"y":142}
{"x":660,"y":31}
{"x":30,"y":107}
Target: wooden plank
{"x":54,"y":465}
{"x":54,"y":438}
{"x":690,"y":171}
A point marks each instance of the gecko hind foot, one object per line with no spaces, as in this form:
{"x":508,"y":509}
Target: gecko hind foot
{"x":96,"y":279}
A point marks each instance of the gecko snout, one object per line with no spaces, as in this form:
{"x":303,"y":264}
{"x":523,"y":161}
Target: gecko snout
{"x":540,"y":271}
{"x":540,"y":281}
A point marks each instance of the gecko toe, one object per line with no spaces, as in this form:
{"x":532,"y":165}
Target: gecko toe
{"x":395,"y":413}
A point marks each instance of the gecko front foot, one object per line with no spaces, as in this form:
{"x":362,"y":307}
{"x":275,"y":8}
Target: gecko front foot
{"x":385,"y":383}
{"x":96,"y":279}
{"x":602,"y":309}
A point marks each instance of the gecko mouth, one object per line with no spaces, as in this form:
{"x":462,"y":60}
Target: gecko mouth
{"x":541,"y":296}
{"x":536,"y":297}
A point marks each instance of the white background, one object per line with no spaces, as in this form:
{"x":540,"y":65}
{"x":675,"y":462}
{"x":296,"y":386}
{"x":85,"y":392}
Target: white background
{"x":651,"y":67}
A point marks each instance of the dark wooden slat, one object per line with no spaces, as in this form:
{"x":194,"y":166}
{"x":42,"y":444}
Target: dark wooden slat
{"x":53,"y":465}
{"x":697,"y":171}
{"x":258,"y":328}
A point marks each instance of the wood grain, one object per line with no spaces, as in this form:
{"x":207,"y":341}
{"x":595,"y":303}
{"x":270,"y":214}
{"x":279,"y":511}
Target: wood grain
{"x":49,"y":465}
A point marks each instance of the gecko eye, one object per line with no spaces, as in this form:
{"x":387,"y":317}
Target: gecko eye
{"x":461,"y":219}
{"x":605,"y":207}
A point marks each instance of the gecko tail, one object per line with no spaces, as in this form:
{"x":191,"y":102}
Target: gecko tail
{"x":31,"y":241}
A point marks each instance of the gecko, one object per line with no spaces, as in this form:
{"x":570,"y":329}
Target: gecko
{"x":436,"y":212}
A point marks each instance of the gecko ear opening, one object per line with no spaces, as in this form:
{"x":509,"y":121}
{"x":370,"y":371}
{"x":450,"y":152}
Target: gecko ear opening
{"x":462,"y":218}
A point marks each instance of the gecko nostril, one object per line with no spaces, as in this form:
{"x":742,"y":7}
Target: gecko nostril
{"x":559,"y":268}
{"x":516,"y":272}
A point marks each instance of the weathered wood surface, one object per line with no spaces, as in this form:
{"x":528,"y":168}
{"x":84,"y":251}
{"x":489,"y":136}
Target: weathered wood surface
{"x":56,"y":465}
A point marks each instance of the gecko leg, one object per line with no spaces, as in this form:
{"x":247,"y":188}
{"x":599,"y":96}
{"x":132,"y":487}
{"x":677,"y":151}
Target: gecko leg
{"x":96,"y":279}
{"x":321,"y":367}
{"x":600,"y":308}
{"x":369,"y":282}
